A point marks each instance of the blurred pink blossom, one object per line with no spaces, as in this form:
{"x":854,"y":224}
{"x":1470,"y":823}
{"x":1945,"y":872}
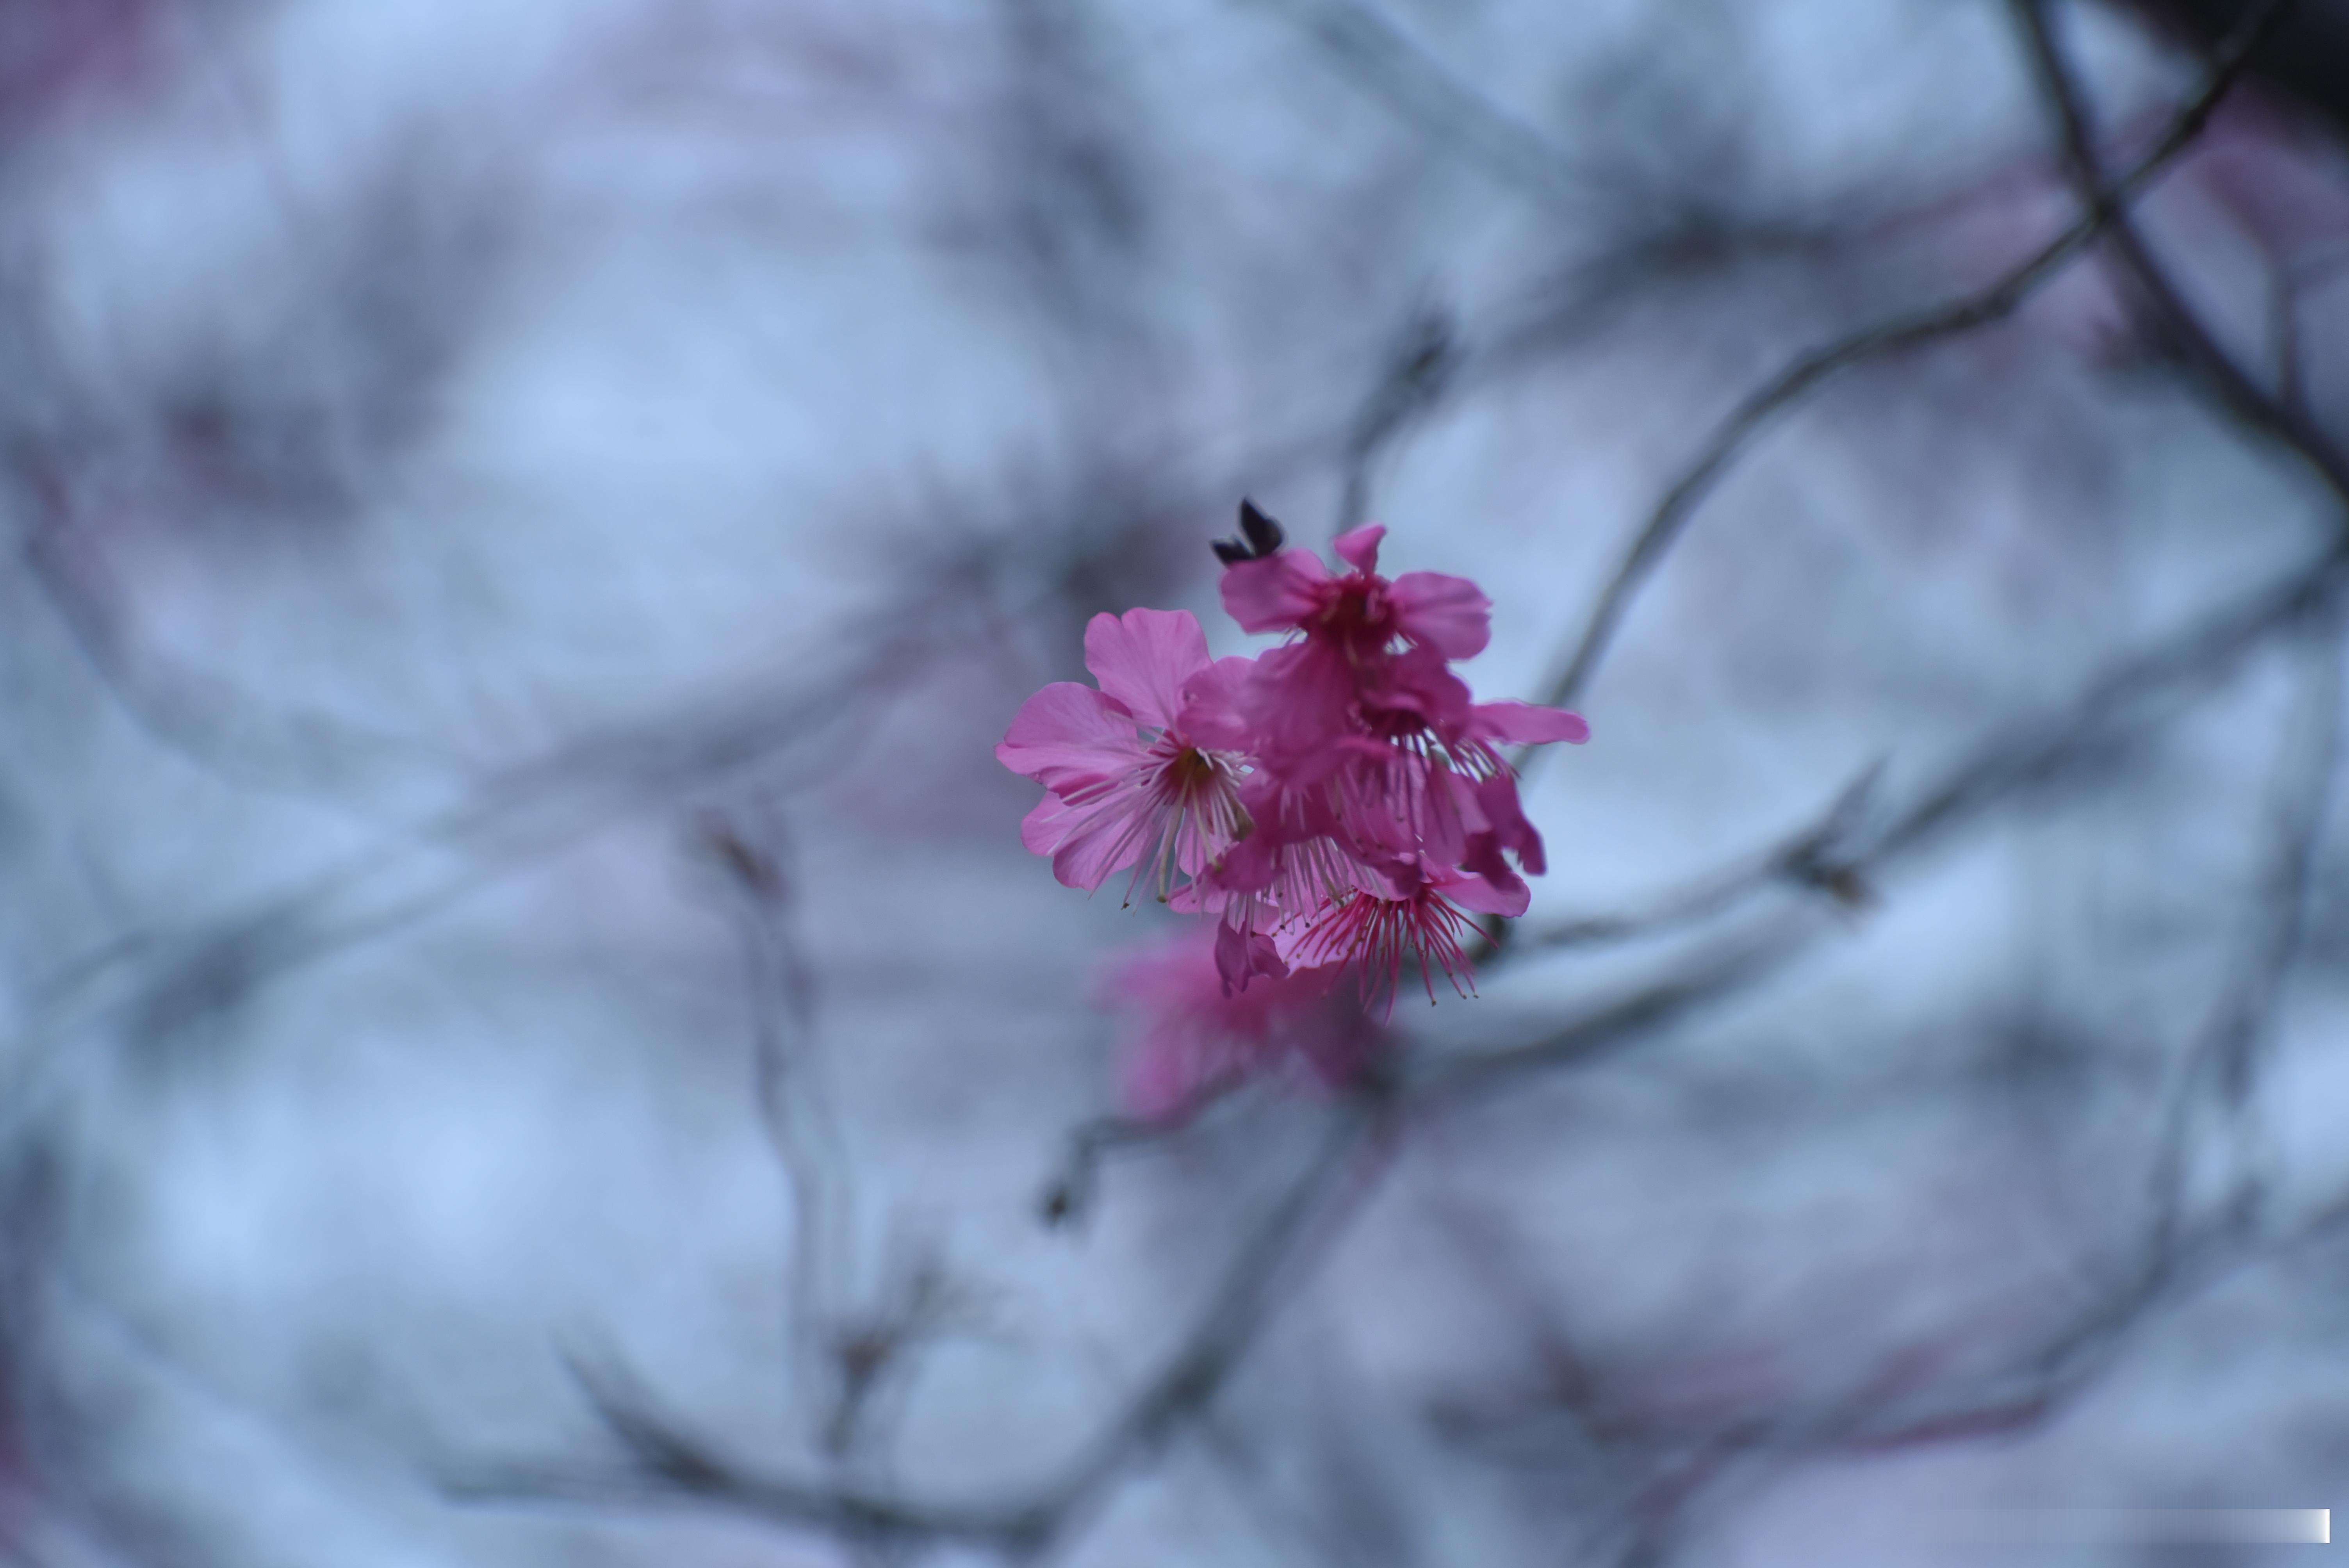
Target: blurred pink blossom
{"x":1191,"y":1037}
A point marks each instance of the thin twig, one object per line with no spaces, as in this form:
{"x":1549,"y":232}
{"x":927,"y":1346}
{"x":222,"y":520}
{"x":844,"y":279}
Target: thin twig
{"x":2234,"y":388}
{"x":1417,"y":370}
{"x":1384,"y":57}
{"x":2218,"y":1073}
{"x":1069,"y":1193}
{"x":1184,"y":1385}
{"x":1816,"y":856}
{"x":1993,"y":771}
{"x":1815,"y":369}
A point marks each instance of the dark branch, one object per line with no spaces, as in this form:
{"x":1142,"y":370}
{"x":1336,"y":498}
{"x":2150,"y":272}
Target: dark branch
{"x":669,"y":1468}
{"x":1814,"y":370}
{"x":1380,"y":55}
{"x":2276,"y":418}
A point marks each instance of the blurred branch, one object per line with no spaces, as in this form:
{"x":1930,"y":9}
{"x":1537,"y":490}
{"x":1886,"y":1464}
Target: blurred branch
{"x":146,"y":986}
{"x":2218,"y":1075}
{"x":2179,"y":1254}
{"x":1815,"y":369}
{"x":2177,"y":1257}
{"x":2034,"y":752}
{"x":2278,"y":418}
{"x":1385,"y":59}
{"x":670,"y":1469}
{"x":1729,"y":967}
{"x":2309,"y":769}
{"x":2283,"y":337}
{"x":1069,"y":1194}
{"x":1418,"y":369}
{"x":793,"y":1110}
{"x":2022,"y":756}
{"x":1816,"y":856}
{"x":219,"y":728}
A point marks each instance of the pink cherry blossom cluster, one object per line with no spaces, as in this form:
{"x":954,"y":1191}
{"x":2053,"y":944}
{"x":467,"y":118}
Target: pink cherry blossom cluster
{"x":1337,"y":801}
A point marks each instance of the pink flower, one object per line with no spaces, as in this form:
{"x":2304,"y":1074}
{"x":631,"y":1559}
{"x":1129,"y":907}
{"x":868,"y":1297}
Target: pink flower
{"x":1361,"y":609}
{"x":1308,"y":694}
{"x":1125,"y":785}
{"x":1342,"y":799}
{"x":1372,"y":761}
{"x":1423,"y":909}
{"x":1191,"y":1037}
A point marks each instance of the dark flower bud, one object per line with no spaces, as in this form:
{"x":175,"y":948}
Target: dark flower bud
{"x":1259,"y":537}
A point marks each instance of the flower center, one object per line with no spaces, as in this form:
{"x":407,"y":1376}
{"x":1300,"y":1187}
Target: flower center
{"x":1188,"y":769}
{"x":1355,"y":611}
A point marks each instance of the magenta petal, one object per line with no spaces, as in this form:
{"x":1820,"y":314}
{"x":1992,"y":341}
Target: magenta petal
{"x":1276,"y":591}
{"x":1240,"y":955}
{"x":1452,"y":816}
{"x":1069,"y":736}
{"x":1358,"y":547}
{"x":1523,"y":723}
{"x":1485,"y":884}
{"x":1298,"y":704}
{"x":1087,"y":843}
{"x":1083,"y":840}
{"x":1509,"y":829}
{"x":1250,"y":866}
{"x":1042,"y":830}
{"x":1100,"y":840}
{"x":1450,"y":614}
{"x":1142,"y":657}
{"x":1213,"y":711}
{"x":1417,"y":681}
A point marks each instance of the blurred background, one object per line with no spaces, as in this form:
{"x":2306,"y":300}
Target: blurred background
{"x":530,"y":1037}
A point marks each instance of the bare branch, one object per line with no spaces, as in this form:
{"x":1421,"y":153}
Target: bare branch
{"x":1816,"y":368}
{"x":2216,"y":1078}
{"x":2278,"y":418}
{"x":1993,"y":772}
{"x":1069,"y":1194}
{"x":1186,"y":1384}
{"x":1386,"y":60}
{"x":1418,"y":367}
{"x":1816,"y":856}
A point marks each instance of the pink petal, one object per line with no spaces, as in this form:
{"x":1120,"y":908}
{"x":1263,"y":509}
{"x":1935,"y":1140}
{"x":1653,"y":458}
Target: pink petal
{"x":1509,"y":829}
{"x":1273,"y":593}
{"x":1247,"y":867}
{"x":1103,"y":839}
{"x":1142,"y":657}
{"x":1451,"y":814}
{"x":1523,"y":723}
{"x":1450,"y":614}
{"x":1296,"y":705}
{"x":1241,"y":955}
{"x":1069,"y":736}
{"x":1416,"y":681}
{"x":1042,"y":830}
{"x":1300,"y":944}
{"x":1485,"y":884}
{"x":1358,"y":547}
{"x":1213,"y":711}
{"x":1089,"y":841}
